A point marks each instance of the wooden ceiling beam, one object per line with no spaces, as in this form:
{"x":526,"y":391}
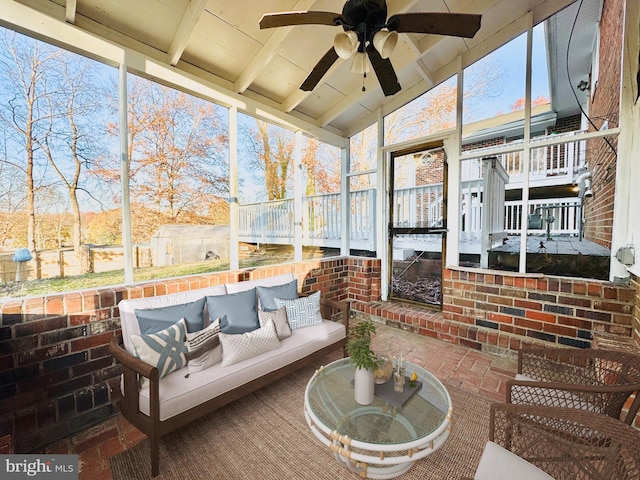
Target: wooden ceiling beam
{"x":192,"y":14}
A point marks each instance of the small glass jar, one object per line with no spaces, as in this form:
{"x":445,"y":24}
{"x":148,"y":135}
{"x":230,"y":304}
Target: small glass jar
{"x":383,"y":373}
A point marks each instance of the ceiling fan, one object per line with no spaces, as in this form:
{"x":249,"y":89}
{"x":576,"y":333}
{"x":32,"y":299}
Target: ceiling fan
{"x":368,"y":32}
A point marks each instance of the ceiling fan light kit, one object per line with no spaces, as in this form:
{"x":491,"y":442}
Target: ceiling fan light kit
{"x":345,"y":43}
{"x":368,"y":32}
{"x":385,"y":42}
{"x":360,"y":64}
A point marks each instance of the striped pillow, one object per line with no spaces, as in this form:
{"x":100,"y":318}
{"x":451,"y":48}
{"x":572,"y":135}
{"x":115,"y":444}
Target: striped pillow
{"x":303,"y":311}
{"x":164,"y":349}
{"x":203,"y":347}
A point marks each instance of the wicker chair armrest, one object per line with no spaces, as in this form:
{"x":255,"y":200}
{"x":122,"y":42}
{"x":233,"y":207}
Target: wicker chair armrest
{"x":564,"y":441}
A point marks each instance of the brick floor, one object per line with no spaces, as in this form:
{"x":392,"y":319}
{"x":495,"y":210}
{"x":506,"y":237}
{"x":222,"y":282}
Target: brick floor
{"x":469,"y":369}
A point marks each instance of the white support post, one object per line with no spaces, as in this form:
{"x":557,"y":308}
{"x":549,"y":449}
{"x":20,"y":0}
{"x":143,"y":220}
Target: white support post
{"x":234,"y":208}
{"x":345,"y":202}
{"x":527,"y":150}
{"x":382,"y":214}
{"x":127,"y":238}
{"x":298,"y":192}
{"x":452,"y":249}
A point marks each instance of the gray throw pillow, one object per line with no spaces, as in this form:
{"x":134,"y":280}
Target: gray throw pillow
{"x":237,"y":311}
{"x":152,"y":320}
{"x":279,"y":319}
{"x":266,"y":295}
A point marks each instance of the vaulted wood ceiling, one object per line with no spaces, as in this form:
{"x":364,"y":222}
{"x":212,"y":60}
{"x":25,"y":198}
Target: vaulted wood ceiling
{"x":220,"y":42}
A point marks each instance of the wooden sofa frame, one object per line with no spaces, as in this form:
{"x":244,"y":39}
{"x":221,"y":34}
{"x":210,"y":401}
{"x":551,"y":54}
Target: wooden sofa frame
{"x":151,"y":425}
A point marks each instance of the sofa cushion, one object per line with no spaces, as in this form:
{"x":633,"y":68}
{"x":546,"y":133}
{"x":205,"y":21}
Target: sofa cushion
{"x":127,"y":307}
{"x":266,"y":295}
{"x":152,"y":320}
{"x":203,"y":347}
{"x":302,"y":312}
{"x":179,"y":394}
{"x":164,"y":349}
{"x":237,"y":311}
{"x":279,"y":319}
{"x":236,"y":348}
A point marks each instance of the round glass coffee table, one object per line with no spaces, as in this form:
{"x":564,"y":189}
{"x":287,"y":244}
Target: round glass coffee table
{"x":384,"y":439}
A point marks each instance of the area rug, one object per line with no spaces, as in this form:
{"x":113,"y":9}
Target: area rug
{"x":265,"y":436}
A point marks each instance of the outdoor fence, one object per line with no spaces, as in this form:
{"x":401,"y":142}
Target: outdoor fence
{"x":66,"y":262}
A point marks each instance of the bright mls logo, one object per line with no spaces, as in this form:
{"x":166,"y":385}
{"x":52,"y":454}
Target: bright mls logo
{"x":51,"y":467}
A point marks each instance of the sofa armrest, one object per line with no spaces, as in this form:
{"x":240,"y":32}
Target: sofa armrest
{"x":332,"y":309}
{"x":134,"y":368}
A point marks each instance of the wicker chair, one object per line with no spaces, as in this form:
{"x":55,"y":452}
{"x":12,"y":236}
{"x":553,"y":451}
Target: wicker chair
{"x":567,"y":444}
{"x":587,"y":379}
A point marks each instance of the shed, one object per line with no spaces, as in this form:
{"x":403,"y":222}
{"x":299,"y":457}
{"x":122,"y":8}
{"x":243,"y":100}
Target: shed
{"x":174,"y":244}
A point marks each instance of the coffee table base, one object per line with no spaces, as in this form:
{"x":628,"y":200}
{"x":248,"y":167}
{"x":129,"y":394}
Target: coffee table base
{"x":372,"y":460}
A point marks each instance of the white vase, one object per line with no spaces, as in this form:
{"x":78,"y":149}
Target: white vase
{"x":364,"y":386}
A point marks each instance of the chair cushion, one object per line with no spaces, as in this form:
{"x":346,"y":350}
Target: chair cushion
{"x":267,"y":295}
{"x":237,"y":311}
{"x":497,"y":463}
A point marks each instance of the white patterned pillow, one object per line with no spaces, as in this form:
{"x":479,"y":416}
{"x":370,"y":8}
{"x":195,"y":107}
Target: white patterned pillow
{"x":303,"y":311}
{"x":164,"y":349}
{"x":203,"y":347}
{"x":240,"y":346}
{"x":279,"y":319}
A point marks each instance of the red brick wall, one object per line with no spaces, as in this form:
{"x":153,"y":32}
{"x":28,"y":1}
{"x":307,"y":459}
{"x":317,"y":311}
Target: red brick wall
{"x":605,"y":106}
{"x":553,"y":309}
{"x":509,"y":310}
{"x":567,"y":124}
{"x":56,"y":374}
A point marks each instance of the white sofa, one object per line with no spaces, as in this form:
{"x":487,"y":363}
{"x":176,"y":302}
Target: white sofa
{"x":164,"y":404}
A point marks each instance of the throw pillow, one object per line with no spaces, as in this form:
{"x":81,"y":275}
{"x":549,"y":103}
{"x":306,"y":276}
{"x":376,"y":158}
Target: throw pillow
{"x":302,"y":312}
{"x":237,"y":311}
{"x":236,"y":348}
{"x":153,"y":320}
{"x":203,"y":348}
{"x":266,"y":295}
{"x":279,"y":319}
{"x":164,"y":349}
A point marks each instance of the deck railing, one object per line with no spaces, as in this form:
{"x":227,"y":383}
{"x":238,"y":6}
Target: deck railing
{"x":548,"y":165}
{"x":273,"y":222}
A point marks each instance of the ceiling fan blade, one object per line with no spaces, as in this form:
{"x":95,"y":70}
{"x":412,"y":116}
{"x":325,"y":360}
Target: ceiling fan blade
{"x":284,"y":19}
{"x":384,"y":71}
{"x":320,"y":70}
{"x":454,"y":24}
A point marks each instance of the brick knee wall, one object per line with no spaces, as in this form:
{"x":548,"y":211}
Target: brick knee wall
{"x":505,"y":310}
{"x":56,"y":374}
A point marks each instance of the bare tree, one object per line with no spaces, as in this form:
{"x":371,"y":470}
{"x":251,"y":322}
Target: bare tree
{"x":271,"y":152}
{"x":177,"y":151}
{"x":23,"y":66}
